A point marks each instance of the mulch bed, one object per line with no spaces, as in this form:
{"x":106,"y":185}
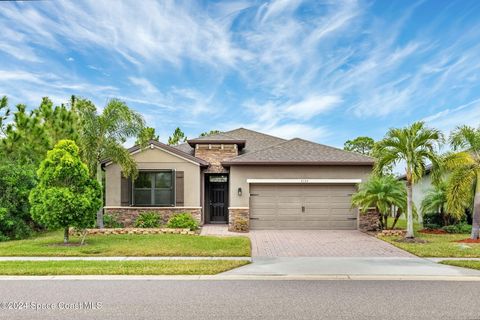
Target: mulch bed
{"x":70,"y":244}
{"x":468,"y":241}
{"x":433,"y":231}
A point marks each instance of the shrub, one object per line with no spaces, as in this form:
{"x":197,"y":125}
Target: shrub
{"x":431,"y":226}
{"x":110,"y":221}
{"x":149,"y":219}
{"x":16,"y":181}
{"x":183,"y":220}
{"x":458,"y":228}
{"x":65,"y":195}
{"x":433,"y":218}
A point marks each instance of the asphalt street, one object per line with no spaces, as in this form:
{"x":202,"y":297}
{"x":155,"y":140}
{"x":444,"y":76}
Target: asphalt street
{"x":238,"y":299}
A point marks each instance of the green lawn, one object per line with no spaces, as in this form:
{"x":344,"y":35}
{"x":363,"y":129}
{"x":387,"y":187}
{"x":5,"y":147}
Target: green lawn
{"x":129,"y":245}
{"x":463,"y":263}
{"x":168,"y":267}
{"x":439,"y":246}
{"x":402,"y":224}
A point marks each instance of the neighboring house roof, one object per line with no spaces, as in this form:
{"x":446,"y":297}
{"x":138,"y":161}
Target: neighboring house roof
{"x":167,"y":148}
{"x":428,"y":169}
{"x":300,"y":152}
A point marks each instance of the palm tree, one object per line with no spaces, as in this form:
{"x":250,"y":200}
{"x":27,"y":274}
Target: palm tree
{"x":435,"y":201}
{"x":382,"y":193}
{"x":101,"y":136}
{"x":464,"y":183}
{"x":412,"y":146}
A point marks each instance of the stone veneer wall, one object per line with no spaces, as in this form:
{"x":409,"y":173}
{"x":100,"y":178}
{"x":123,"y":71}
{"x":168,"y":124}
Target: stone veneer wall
{"x":369,"y":221}
{"x":238,"y":219}
{"x":215,"y":154}
{"x":128,"y":215}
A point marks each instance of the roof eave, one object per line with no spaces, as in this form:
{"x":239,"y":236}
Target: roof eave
{"x":296,"y":163}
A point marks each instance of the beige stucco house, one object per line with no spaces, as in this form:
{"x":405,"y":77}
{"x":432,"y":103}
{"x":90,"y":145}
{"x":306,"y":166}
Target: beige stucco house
{"x":243,"y":178}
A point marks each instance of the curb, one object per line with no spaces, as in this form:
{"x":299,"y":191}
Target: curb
{"x":248,"y":278}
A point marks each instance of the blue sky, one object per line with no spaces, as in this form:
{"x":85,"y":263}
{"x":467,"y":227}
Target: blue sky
{"x":321,"y":70}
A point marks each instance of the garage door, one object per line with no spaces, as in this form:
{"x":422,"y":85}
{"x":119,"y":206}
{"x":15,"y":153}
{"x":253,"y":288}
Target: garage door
{"x":302,"y":207}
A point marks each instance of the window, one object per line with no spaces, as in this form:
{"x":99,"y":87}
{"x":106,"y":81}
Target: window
{"x":154,"y":189}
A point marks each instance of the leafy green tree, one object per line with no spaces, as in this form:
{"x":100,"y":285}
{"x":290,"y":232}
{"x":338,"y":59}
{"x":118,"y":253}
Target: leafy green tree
{"x":16,"y":181}
{"x":29,"y":135}
{"x":101,"y":136}
{"x":384,"y":193}
{"x":177,"y":137}
{"x":463,"y":189}
{"x":435,"y":201}
{"x":66,"y":195}
{"x":362,"y":145}
{"x":146,"y":135}
{"x":209,"y":133}
{"x":414,"y":146}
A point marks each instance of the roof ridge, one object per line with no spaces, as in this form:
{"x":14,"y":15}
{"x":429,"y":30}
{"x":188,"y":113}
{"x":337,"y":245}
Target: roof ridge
{"x":258,"y":132}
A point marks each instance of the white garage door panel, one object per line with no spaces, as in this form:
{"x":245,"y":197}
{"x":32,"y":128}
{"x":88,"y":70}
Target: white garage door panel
{"x":280,"y":207}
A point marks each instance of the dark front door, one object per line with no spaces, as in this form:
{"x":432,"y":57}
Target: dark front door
{"x":218,"y":198}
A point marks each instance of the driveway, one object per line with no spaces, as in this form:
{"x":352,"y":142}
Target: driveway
{"x":320,"y":243}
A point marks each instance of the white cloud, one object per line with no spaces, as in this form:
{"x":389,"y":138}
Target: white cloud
{"x":312,"y":106}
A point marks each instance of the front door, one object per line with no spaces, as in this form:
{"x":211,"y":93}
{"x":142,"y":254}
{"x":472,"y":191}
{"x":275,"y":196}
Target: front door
{"x":217,"y":186}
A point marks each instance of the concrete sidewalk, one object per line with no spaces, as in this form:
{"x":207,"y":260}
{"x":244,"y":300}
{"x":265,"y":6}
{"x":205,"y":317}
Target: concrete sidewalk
{"x":364,"y":266}
{"x":118,"y":258}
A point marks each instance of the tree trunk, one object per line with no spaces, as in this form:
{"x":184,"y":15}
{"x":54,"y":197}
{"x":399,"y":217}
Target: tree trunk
{"x":397,"y":216}
{"x":65,"y":235}
{"x":409,"y":233}
{"x":100,"y":211}
{"x":385,"y":218}
{"x":476,"y":210}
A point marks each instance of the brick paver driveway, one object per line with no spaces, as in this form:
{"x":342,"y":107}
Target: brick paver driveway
{"x":320,"y":243}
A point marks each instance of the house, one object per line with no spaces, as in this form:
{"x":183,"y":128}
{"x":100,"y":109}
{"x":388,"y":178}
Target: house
{"x":242,"y":178}
{"x":420,"y":189}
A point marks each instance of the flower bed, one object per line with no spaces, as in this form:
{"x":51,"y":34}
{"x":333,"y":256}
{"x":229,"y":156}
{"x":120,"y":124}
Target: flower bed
{"x":388,"y":233}
{"x":108,"y":231}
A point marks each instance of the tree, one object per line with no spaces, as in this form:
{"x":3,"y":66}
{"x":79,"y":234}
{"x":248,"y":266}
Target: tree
{"x":435,"y":201}
{"x":383,"y":193}
{"x":362,"y":145}
{"x":101,"y":136}
{"x":464,"y":181}
{"x":177,"y":137}
{"x":146,"y":135}
{"x":29,"y":135}
{"x":66,"y":195}
{"x":414,"y":145}
{"x":209,"y":133}
{"x":16,"y":182}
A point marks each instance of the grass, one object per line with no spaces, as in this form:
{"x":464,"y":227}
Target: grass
{"x":438,"y":246}
{"x":402,"y":224}
{"x":168,"y":267}
{"x":471,"y":264}
{"x":129,"y":245}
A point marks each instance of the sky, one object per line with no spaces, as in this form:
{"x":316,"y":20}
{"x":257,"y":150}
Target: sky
{"x":327,"y":71}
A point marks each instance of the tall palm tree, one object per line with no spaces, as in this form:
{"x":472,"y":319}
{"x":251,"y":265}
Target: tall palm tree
{"x":464,"y":183}
{"x":101,"y":136}
{"x":382,"y":193}
{"x":412,"y":146}
{"x":435,"y":201}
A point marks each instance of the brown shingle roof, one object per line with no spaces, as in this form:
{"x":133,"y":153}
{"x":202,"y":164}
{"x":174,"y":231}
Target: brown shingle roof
{"x":300,"y":152}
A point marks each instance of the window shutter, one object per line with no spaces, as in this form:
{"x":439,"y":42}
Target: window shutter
{"x":179,"y":189}
{"x":126,"y":191}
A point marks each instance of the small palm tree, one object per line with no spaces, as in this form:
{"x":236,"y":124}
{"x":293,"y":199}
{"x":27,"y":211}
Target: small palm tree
{"x":414,"y":146}
{"x":382,"y":193}
{"x":101,"y":136}
{"x":435,"y":201}
{"x":464,"y":182}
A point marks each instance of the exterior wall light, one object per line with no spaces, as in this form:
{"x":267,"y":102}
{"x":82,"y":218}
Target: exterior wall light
{"x":239,"y":191}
